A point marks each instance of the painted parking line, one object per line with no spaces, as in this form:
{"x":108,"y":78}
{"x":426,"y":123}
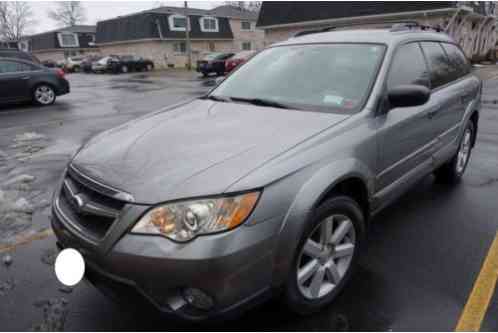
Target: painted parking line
{"x":24,"y":240}
{"x":482,"y":292}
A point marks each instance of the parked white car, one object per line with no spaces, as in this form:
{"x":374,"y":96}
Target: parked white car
{"x":73,"y":64}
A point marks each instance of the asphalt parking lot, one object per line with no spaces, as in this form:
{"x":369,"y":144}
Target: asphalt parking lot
{"x":423,"y":257}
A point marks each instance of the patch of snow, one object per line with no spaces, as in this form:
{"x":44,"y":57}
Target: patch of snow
{"x":29,"y":136}
{"x":20,"y":179}
{"x":22,"y":205}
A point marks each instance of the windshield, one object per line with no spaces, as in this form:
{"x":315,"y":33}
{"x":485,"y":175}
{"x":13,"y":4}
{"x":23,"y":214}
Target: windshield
{"x":316,"y":77}
{"x":212,"y":56}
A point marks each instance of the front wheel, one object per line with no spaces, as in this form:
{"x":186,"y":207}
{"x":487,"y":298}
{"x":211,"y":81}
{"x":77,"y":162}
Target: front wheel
{"x":452,"y":171}
{"x":326,"y":256}
{"x":44,"y":94}
{"x":124,"y":69}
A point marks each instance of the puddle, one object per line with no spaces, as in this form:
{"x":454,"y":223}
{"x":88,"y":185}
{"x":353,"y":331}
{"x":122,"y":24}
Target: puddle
{"x":7,"y":286}
{"x":55,"y":312}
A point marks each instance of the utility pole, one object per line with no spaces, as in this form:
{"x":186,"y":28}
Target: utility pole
{"x":187,"y":38}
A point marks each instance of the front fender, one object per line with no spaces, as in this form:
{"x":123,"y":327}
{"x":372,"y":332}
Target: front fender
{"x":308,"y":196}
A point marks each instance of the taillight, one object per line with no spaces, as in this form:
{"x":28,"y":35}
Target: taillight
{"x":60,"y":73}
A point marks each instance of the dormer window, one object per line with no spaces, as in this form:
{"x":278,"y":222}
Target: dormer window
{"x":177,"y":22}
{"x":209,"y":24}
{"x":68,"y":39}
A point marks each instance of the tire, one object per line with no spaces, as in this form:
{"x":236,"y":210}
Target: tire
{"x":44,"y":94}
{"x":346,"y":215}
{"x":149,"y":67}
{"x":124,"y":69}
{"x":452,"y":171}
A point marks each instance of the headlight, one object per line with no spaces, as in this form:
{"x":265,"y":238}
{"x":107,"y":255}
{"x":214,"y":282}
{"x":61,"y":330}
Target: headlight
{"x":185,"y":220}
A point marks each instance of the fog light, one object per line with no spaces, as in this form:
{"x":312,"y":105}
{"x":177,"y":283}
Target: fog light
{"x":198,"y":299}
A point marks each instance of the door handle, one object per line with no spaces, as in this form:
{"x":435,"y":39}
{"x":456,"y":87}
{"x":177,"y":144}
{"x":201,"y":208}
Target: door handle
{"x":26,"y":77}
{"x":433,"y":112}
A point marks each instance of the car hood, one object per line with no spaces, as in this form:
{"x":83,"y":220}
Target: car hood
{"x":195,"y":149}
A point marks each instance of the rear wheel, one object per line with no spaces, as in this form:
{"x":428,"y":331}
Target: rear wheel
{"x":452,"y":171}
{"x":326,"y":256}
{"x":44,"y":94}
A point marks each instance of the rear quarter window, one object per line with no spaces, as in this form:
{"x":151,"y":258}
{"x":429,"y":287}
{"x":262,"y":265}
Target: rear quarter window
{"x":458,"y":60}
{"x":442,"y":71}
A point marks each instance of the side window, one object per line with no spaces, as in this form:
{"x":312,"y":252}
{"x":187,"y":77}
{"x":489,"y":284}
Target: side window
{"x":458,"y":60}
{"x":441,"y":69}
{"x":408,"y":67}
{"x":13,"y":67}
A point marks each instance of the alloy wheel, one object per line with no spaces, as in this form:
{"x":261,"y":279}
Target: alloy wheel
{"x":326,"y":256}
{"x":44,"y":95}
{"x":464,"y":151}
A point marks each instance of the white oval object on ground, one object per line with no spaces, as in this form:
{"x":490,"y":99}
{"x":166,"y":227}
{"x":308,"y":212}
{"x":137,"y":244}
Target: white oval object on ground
{"x":69,"y":267}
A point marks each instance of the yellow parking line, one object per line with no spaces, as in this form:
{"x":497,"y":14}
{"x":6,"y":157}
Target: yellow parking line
{"x":482,"y":292}
{"x":23,"y":240}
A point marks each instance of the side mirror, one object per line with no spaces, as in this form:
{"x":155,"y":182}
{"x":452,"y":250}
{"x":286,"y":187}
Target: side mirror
{"x":408,"y":95}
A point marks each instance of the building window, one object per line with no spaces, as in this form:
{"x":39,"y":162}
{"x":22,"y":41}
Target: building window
{"x":245,"y":25}
{"x":24,"y":45}
{"x":177,"y":22}
{"x":246,"y":46}
{"x":180,"y":47}
{"x":67,"y":39}
{"x":209,"y":24}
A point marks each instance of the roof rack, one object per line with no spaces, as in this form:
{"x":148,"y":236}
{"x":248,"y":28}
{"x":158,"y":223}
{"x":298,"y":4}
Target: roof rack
{"x":394,"y":26}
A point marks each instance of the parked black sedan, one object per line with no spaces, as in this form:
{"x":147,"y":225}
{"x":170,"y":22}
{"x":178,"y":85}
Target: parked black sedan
{"x":22,"y":80}
{"x":131,"y":63}
{"x":17,"y":54}
{"x":122,"y":64}
{"x":213,"y":63}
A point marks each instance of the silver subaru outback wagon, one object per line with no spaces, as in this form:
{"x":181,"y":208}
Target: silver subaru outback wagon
{"x":266,"y":185}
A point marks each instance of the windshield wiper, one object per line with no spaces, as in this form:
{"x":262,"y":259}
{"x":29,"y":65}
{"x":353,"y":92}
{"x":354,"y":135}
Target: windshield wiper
{"x":261,"y":102}
{"x":218,"y":98}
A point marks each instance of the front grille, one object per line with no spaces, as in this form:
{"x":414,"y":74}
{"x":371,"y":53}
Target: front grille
{"x":86,"y":208}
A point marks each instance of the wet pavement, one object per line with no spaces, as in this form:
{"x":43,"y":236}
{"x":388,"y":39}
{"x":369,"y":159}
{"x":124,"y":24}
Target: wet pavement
{"x":423,"y":255}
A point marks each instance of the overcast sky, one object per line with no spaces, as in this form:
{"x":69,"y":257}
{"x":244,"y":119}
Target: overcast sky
{"x":100,"y":10}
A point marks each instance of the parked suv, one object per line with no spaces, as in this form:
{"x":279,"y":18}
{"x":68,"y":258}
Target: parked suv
{"x":213,"y":63}
{"x":268,"y":183}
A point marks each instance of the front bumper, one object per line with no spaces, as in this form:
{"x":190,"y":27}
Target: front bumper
{"x":234,"y":268}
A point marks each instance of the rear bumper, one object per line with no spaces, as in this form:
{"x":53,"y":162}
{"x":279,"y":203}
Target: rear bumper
{"x":64,"y":87}
{"x":233,"y":268}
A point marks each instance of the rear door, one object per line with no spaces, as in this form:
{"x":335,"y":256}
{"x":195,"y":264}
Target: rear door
{"x":448,"y":86}
{"x":405,"y":138}
{"x":14,"y":80}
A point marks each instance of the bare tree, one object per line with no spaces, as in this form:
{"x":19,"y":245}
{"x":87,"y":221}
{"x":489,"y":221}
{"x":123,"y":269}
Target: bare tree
{"x":15,"y":18}
{"x":68,"y":13}
{"x":247,"y":5}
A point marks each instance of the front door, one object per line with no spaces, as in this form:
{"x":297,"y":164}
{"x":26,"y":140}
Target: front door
{"x":405,"y":135}
{"x":14,"y":80}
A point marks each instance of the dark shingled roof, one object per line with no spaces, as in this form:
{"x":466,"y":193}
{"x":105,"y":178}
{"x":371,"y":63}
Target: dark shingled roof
{"x":144,"y":26}
{"x":234,"y":12}
{"x":288,"y":12}
{"x":48,"y":40}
